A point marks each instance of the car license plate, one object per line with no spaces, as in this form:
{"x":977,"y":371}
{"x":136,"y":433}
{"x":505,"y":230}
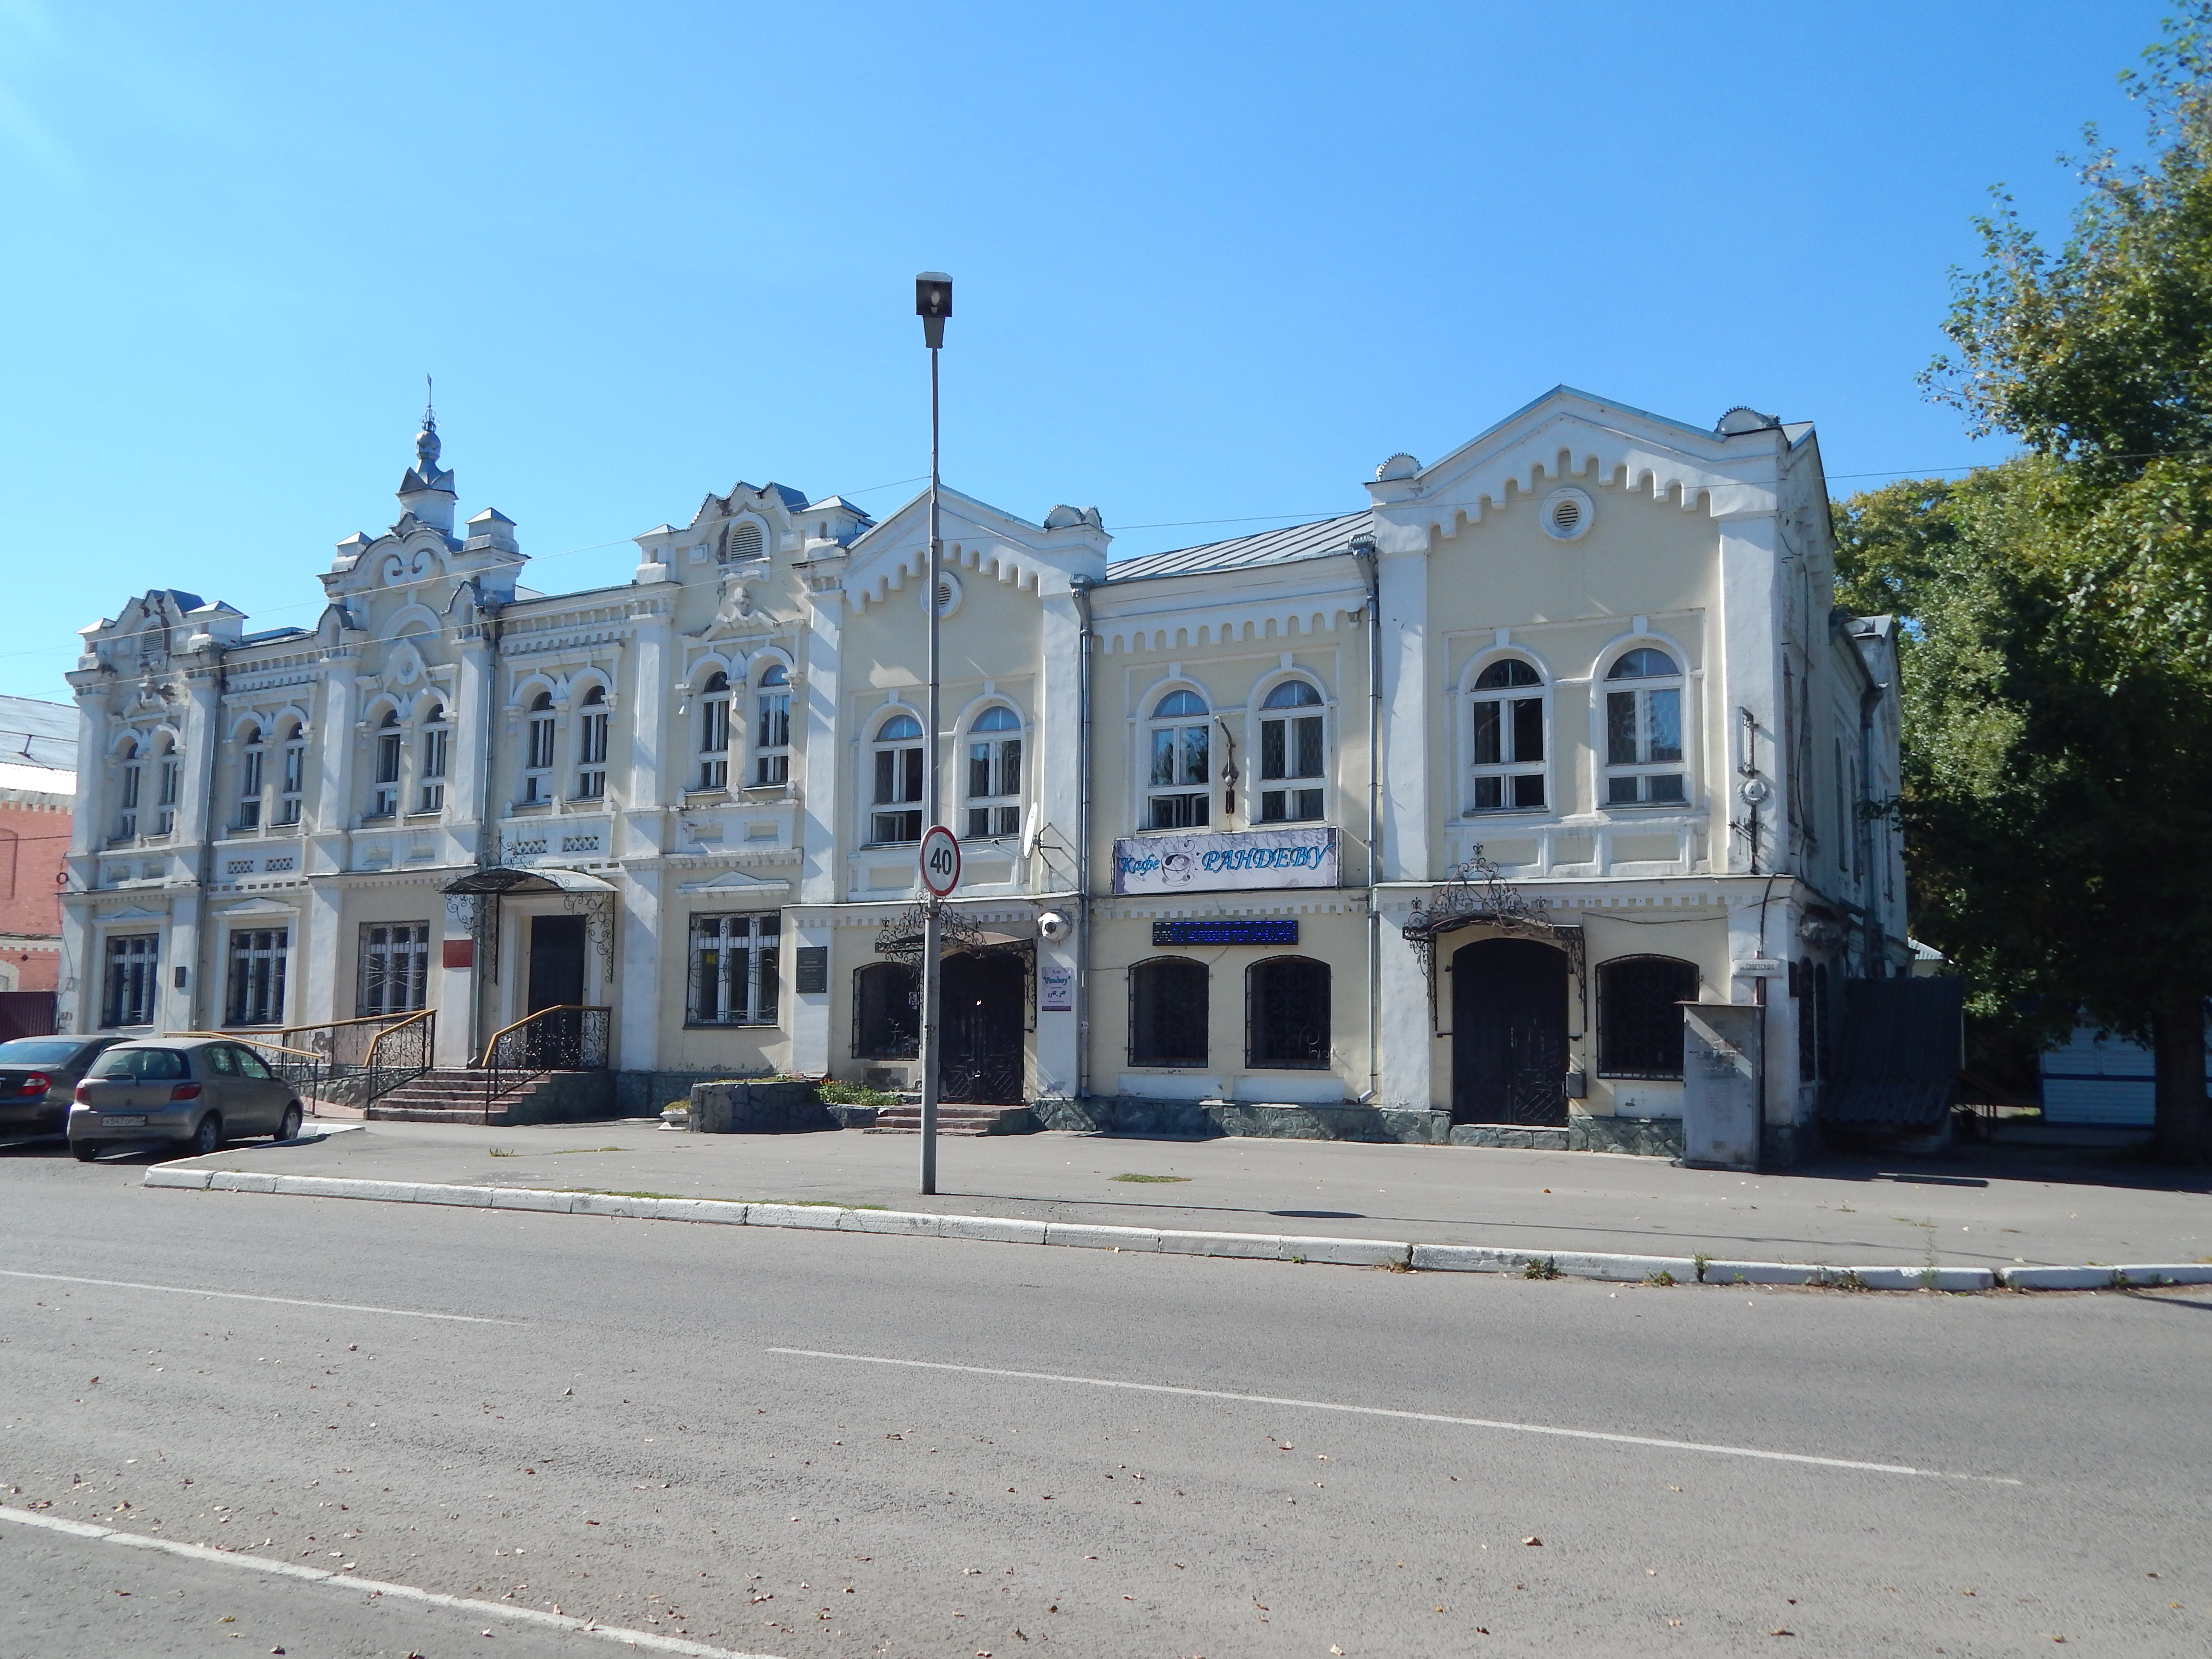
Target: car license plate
{"x":113,"y":1121}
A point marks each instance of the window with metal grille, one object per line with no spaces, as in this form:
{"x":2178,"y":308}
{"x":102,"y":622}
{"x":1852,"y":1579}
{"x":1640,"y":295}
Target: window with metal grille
{"x":1179,"y":791}
{"x":592,"y":746}
{"x":886,"y":1011}
{"x":133,"y":980}
{"x":714,"y":732}
{"x":384,"y":801}
{"x":994,"y":773}
{"x":1508,"y":738}
{"x":1290,"y":747}
{"x":256,"y":992}
{"x":126,"y":798}
{"x":1643,"y":732}
{"x":394,"y":974}
{"x":772,"y":730}
{"x":437,"y":744}
{"x":897,"y":814}
{"x":1168,"y":1013}
{"x":1286,"y":1013}
{"x":250,"y":754}
{"x":735,"y":969}
{"x":292,"y":787}
{"x":1639,"y":1020}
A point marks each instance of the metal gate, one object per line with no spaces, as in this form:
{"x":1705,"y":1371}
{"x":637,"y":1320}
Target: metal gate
{"x":1509,"y":1033}
{"x":982,"y":1022}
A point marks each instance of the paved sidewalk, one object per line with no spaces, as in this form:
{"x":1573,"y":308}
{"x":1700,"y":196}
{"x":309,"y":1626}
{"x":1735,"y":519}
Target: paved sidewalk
{"x":1994,"y":1213}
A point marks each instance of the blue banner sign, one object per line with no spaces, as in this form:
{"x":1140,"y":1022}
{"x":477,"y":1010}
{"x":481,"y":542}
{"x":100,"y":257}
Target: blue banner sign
{"x":1227,"y":930}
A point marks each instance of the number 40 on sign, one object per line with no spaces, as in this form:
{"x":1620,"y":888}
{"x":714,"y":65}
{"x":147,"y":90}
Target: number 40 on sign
{"x":940,"y":861}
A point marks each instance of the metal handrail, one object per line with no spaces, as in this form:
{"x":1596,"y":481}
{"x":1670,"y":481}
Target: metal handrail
{"x":304,"y":1069}
{"x":428,"y":1016}
{"x":533,"y":1046}
{"x":557,"y":1008}
{"x":252,"y":1041}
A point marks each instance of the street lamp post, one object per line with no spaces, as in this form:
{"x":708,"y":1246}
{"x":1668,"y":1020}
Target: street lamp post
{"x":932,"y":303}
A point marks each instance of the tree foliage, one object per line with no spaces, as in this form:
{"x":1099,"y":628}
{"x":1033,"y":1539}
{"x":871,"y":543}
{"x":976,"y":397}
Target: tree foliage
{"x":2057,"y":792}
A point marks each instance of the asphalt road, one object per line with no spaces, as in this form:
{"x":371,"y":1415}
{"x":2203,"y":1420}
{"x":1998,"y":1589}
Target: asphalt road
{"x":609,"y":1417}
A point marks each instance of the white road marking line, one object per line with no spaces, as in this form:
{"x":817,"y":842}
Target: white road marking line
{"x":240,"y":1296}
{"x":636,"y":1638}
{"x":1406,"y":1416}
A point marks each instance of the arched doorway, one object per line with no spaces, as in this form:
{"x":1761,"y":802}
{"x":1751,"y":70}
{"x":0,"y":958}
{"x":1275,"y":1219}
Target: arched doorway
{"x":984,"y":997}
{"x":1509,"y":1033}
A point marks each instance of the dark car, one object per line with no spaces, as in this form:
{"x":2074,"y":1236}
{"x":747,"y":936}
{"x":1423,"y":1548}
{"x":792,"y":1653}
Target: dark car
{"x":37,"y":1076}
{"x":199,"y":1091}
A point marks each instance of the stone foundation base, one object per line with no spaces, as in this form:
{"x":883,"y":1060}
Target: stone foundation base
{"x":1204,"y":1120}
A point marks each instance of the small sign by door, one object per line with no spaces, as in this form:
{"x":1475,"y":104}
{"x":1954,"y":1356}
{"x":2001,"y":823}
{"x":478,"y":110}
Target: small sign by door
{"x":940,"y":861}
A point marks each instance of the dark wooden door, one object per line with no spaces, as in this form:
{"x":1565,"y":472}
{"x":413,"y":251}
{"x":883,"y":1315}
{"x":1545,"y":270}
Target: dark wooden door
{"x":1509,"y":1033}
{"x":556,"y":980}
{"x":982,"y":1030}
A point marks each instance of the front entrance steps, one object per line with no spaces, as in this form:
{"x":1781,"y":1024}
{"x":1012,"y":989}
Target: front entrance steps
{"x":456,"y":1094}
{"x":905,"y":1119}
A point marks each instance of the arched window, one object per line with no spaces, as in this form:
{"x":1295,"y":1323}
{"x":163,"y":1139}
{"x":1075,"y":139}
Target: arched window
{"x":1168,"y":1013}
{"x":537,"y":752}
{"x":994,"y":773}
{"x":126,"y":796}
{"x":1639,"y":1023}
{"x":169,"y":774}
{"x":714,"y":732}
{"x":1508,"y":748}
{"x":1286,"y":1013}
{"x":250,"y":754}
{"x":384,"y":767}
{"x":1291,"y":749}
{"x":897,"y":814}
{"x":772,"y":730}
{"x":1644,"y":731}
{"x":886,"y":1012}
{"x":739,"y":540}
{"x":592,"y":746}
{"x":1180,"y":796}
{"x":437,"y":745}
{"x":292,"y":781}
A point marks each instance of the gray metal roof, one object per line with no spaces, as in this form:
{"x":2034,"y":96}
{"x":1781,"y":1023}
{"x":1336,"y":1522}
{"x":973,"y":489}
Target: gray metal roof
{"x":1288,"y":545}
{"x":35,"y":733}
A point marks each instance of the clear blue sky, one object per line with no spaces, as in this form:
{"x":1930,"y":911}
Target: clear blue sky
{"x":1212,"y":260}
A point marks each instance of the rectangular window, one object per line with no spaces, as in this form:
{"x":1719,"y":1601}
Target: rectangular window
{"x":249,"y":790}
{"x":166,"y":818}
{"x":1509,"y":754}
{"x":1290,"y":749}
{"x":295,"y":783}
{"x":1644,"y":730}
{"x":995,"y":780}
{"x":1179,"y":759}
{"x":395,"y":967}
{"x":1168,"y":1024}
{"x":714,"y":741}
{"x":592,"y":758}
{"x":772,"y":740}
{"x":898,"y":781}
{"x":735,"y":969}
{"x":256,"y":992}
{"x":133,"y":960}
{"x":435,"y":746}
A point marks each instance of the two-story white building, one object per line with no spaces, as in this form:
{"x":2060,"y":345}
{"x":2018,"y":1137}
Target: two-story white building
{"x":1212,"y":802}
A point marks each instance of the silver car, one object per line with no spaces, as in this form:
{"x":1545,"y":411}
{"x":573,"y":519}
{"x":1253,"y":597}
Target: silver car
{"x":37,"y":1075}
{"x":199,"y":1091}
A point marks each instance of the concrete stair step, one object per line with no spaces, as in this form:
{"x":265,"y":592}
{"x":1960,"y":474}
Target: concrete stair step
{"x":952,"y":1119}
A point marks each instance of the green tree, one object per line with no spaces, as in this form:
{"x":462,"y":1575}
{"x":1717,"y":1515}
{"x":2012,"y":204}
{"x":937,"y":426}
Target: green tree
{"x":2058,"y":662}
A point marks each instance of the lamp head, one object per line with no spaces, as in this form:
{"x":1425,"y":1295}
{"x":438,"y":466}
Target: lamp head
{"x":932,"y":303}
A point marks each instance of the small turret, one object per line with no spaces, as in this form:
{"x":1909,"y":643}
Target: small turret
{"x":426,"y":491}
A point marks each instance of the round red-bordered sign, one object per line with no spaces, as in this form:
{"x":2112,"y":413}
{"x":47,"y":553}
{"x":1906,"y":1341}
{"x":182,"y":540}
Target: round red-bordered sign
{"x":940,"y":861}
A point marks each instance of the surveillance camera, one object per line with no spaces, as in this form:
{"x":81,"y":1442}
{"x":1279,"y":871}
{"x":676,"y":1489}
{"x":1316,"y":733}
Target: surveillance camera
{"x":1052,"y":926}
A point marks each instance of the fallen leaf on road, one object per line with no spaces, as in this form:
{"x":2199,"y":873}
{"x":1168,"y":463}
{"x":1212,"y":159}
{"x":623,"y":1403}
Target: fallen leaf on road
{"x":1782,"y":1633}
{"x":1532,"y":1540}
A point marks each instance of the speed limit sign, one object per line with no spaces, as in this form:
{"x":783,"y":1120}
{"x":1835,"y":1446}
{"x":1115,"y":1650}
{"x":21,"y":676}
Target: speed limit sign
{"x":940,"y":861}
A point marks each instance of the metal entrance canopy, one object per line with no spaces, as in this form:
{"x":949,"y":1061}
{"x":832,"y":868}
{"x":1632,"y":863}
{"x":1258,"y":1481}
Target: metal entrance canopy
{"x":505,"y":880}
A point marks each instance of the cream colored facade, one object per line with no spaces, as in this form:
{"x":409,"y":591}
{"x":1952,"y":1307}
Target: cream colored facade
{"x":441,"y":720}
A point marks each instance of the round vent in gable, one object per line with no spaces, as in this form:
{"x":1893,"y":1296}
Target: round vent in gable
{"x":1566,"y":514}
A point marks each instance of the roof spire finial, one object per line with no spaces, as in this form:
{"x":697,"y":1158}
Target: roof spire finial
{"x":426,"y":441}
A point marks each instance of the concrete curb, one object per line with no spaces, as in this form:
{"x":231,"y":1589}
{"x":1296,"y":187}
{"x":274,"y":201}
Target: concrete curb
{"x":1257,"y":1247}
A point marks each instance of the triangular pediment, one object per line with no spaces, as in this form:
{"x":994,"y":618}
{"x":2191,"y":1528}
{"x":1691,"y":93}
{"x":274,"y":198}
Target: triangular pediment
{"x":737,"y":881}
{"x":977,"y":537}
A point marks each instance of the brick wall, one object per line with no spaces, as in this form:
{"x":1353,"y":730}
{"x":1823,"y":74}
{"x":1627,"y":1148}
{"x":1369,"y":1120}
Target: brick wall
{"x":35,"y":832}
